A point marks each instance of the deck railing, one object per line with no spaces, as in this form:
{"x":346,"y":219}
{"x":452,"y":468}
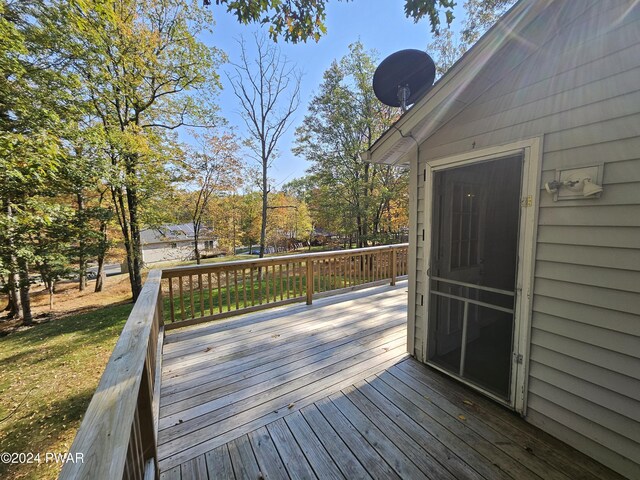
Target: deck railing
{"x":118,"y":435}
{"x":207,"y":292}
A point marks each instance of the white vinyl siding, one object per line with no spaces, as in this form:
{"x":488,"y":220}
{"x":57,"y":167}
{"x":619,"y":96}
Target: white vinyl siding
{"x":573,"y":78}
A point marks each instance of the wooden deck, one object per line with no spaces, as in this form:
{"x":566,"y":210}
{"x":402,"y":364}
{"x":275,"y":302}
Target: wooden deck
{"x":327,"y":391}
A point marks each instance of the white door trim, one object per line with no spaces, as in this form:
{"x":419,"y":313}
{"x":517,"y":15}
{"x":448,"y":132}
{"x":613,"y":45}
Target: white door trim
{"x":532,"y":160}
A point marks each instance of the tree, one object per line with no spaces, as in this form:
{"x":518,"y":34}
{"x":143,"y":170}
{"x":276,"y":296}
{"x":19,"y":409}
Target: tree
{"x":299,"y":20}
{"x":141,"y":64}
{"x":289,"y":221}
{"x":83,"y":176}
{"x":215,"y":170}
{"x":268,"y":89}
{"x":52,"y":246}
{"x":34,"y":100}
{"x":226,"y":214}
{"x":479,"y":15}
{"x":103,"y":215}
{"x":344,"y":120}
{"x":250,"y":215}
{"x":446,"y":50}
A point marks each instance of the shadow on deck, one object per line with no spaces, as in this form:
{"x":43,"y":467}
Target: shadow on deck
{"x":328,"y":391}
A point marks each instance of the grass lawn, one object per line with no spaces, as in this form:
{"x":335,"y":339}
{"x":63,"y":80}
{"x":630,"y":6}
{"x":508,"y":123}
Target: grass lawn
{"x":47,"y":377}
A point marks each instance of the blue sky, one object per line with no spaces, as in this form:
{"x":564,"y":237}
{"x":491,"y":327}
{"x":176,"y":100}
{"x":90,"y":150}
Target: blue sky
{"x":378,"y":24}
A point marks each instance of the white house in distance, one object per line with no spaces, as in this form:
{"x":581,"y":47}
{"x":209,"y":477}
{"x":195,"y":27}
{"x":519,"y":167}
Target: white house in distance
{"x":174,"y":243}
{"x":525,"y":221}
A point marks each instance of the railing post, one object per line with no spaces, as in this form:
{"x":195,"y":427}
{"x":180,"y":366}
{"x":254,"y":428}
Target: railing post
{"x":394,"y":259}
{"x":309,"y":281}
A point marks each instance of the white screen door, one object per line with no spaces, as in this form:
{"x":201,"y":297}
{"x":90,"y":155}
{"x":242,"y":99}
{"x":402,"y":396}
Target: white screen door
{"x":475,"y":223}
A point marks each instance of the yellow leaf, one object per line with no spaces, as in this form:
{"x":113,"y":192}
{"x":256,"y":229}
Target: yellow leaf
{"x":462,"y":417}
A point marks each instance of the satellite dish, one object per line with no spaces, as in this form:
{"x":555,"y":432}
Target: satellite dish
{"x":402,"y":77}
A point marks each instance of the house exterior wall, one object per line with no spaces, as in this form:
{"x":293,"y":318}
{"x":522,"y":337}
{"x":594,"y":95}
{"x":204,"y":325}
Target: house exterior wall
{"x":578,"y":86}
{"x":162,"y":252}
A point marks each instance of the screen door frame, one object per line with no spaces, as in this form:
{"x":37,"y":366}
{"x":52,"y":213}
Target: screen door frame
{"x":531,"y":151}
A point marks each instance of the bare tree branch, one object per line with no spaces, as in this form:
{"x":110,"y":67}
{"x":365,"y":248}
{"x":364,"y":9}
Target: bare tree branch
{"x":268,"y":89}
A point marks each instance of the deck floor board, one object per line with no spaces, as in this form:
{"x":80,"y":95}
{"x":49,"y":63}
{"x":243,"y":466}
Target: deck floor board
{"x":328,"y":391}
{"x":269,"y":460}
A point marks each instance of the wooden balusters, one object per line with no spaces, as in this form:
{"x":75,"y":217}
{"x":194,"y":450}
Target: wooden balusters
{"x":191,"y":295}
{"x":251,"y":282}
{"x":181,"y":298}
{"x":244,"y":287}
{"x":210,"y":288}
{"x":171,"y":306}
{"x":219,"y":293}
{"x":249,"y":285}
{"x":393,"y":264}
{"x":309,"y":281}
{"x":201,"y":290}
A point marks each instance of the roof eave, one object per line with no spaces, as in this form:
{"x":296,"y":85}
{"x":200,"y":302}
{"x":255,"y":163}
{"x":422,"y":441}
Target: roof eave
{"x":431,"y":110}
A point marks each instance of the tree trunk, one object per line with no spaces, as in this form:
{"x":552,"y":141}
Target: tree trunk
{"x":13,"y":299}
{"x":131,"y":235}
{"x":364,"y":207}
{"x":132,"y":201}
{"x":51,"y":291}
{"x":360,"y":231}
{"x":121,"y":211}
{"x":265,"y":193}
{"x":15,"y":305}
{"x":8,"y":306}
{"x":82,"y":260}
{"x":196,"y":239}
{"x":10,"y":261}
{"x":196,"y":251}
{"x":101,"y":275}
{"x":27,"y":317}
{"x":134,"y":226}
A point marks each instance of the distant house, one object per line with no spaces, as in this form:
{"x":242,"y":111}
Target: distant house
{"x":524,"y":257}
{"x":175,"y":242}
{"x":320,"y":236}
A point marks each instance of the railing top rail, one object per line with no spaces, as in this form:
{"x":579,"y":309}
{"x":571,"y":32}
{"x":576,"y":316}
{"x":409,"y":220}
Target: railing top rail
{"x":110,"y":414}
{"x":177,"y":271}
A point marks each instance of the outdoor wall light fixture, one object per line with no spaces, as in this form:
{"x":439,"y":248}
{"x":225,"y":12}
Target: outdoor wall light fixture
{"x":585,"y":185}
{"x":584,"y":182}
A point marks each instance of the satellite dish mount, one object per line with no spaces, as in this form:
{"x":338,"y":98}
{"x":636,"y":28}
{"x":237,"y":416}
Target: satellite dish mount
{"x":403,"y":96}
